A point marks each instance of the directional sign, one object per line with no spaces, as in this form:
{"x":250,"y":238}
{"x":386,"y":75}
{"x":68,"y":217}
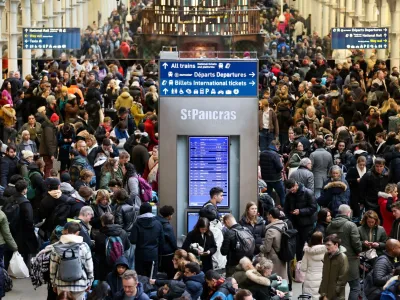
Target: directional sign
{"x":360,"y":38}
{"x":213,"y":78}
{"x":51,"y":38}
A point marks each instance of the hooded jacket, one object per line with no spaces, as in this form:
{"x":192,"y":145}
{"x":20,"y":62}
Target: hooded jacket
{"x":124,"y":100}
{"x":370,"y":185}
{"x":170,"y":244}
{"x":385,"y":201}
{"x":304,"y":201}
{"x":194,"y":285}
{"x":113,"y":279}
{"x":348,"y":232}
{"x":334,"y":194}
{"x":67,"y":189}
{"x":50,"y":201}
{"x":147,"y":234}
{"x":67,"y":241}
{"x":271,"y":165}
{"x":312,"y":265}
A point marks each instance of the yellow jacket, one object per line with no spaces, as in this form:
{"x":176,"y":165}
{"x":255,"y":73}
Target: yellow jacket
{"x":137,"y":113}
{"x":124,"y":100}
{"x":7,"y":113}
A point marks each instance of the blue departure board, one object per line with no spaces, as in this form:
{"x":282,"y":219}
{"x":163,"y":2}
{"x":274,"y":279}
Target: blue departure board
{"x":208,"y":168}
{"x":193,"y":217}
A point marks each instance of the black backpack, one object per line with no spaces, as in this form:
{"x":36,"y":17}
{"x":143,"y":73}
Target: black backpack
{"x":12,"y":210}
{"x":245,"y":242}
{"x":288,"y":243}
{"x":61,"y":213}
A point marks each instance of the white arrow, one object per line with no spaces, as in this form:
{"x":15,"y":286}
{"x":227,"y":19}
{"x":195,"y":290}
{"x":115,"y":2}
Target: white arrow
{"x":252,"y":83}
{"x":26,"y":30}
{"x":165,"y":65}
{"x":252,"y":74}
{"x":165,"y":91}
{"x":26,"y":41}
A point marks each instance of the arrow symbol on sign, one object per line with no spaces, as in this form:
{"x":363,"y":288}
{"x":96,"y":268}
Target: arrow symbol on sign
{"x":252,"y":74}
{"x":26,"y":30}
{"x":165,"y":65}
{"x":26,"y":41}
{"x":165,"y":91}
{"x":252,"y":83}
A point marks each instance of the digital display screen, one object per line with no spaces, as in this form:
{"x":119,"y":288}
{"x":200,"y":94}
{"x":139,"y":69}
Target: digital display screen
{"x":208,"y":168}
{"x":193,"y":217}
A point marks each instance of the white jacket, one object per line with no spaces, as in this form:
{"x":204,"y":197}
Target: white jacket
{"x":312,"y":264}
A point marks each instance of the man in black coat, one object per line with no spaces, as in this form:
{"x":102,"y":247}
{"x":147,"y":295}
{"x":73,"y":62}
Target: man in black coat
{"x":394,"y":166}
{"x":147,"y":234}
{"x":382,"y":271}
{"x":8,"y":166}
{"x":24,"y":232}
{"x":300,"y":207}
{"x":210,"y":208}
{"x":271,"y":170}
{"x":140,"y":155}
{"x":107,"y":229}
{"x":170,"y":246}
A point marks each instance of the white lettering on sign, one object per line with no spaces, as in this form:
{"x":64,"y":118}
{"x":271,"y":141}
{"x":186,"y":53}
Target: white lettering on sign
{"x":195,"y":114}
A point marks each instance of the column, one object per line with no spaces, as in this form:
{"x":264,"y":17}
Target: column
{"x":332,"y":14}
{"x":369,"y":17}
{"x":50,"y":20}
{"x":2,"y":7}
{"x":316,"y":17}
{"x":383,"y":22}
{"x":57,"y":12}
{"x":67,"y":16}
{"x":37,"y":20}
{"x":349,"y":12}
{"x":85,"y":11}
{"x":79,"y":14}
{"x":358,"y":13}
{"x":26,"y":22}
{"x":325,"y":19}
{"x":74,"y":16}
{"x":342,"y":8}
{"x":13,"y":35}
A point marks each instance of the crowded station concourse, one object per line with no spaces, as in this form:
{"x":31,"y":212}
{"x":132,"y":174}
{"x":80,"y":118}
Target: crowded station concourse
{"x":82,"y":211}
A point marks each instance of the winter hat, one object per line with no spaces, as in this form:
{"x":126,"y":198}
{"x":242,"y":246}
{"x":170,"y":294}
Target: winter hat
{"x":145,"y":208}
{"x":52,"y":183}
{"x":41,"y":109}
{"x":26,"y":154}
{"x":54,"y":118}
{"x":65,"y":177}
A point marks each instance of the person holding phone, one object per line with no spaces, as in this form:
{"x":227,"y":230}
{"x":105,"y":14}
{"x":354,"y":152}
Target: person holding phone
{"x":372,"y":235}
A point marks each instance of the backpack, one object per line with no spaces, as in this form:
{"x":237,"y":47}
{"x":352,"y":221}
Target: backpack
{"x":390,"y":292}
{"x":288,"y":243}
{"x":77,"y":168}
{"x":12,"y":211}
{"x":335,"y":106}
{"x":40,"y":269}
{"x":145,"y":190}
{"x":8,"y":284}
{"x":394,"y":123}
{"x":245,"y":242}
{"x":61,"y":213}
{"x":114,"y":249}
{"x":70,"y":267}
{"x":31,"y":190}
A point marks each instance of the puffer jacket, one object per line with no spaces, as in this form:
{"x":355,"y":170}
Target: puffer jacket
{"x":194,"y":285}
{"x":304,"y":176}
{"x":124,"y":100}
{"x":5,"y":235}
{"x":271,"y":165}
{"x":48,"y":143}
{"x":125,"y":215}
{"x":334,"y":194}
{"x":258,"y":231}
{"x":347,"y":231}
{"x":312,"y":265}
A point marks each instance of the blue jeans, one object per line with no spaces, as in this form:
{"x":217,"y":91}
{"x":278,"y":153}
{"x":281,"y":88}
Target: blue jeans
{"x":355,"y":289}
{"x":279,"y":189}
{"x":265,"y":138}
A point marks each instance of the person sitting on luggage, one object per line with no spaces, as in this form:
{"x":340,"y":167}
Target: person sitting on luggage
{"x":382,"y":271}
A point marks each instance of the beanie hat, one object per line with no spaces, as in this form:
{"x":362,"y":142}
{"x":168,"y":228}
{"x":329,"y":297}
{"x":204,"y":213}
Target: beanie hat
{"x":54,"y":118}
{"x":52,"y":183}
{"x":145,"y":208}
{"x":26,"y":154}
{"x":65,"y":177}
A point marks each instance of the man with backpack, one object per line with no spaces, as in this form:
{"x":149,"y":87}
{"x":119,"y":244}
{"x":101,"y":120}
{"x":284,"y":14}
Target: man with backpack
{"x":8,"y":166}
{"x":210,"y":208}
{"x":110,"y":243}
{"x":19,"y":213}
{"x":238,"y":242}
{"x":71,"y":264}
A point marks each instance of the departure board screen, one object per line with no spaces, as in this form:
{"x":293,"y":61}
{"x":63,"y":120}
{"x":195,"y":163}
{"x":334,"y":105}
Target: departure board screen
{"x":208,"y":168}
{"x":193,"y":217}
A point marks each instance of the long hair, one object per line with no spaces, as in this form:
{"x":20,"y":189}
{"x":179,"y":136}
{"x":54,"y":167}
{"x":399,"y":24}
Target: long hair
{"x":202,"y":223}
{"x":109,"y":166}
{"x":322,"y":215}
{"x":250,"y":219}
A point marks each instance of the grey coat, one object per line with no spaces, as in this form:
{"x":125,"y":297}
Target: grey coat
{"x":348,"y":232}
{"x":272,"y":245}
{"x":321,"y":163}
{"x":304,"y":176}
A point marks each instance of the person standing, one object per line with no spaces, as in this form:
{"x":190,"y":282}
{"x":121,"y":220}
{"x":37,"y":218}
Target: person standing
{"x":349,"y":235}
{"x":335,"y":269}
{"x":271,"y":170}
{"x":210,"y":208}
{"x":268,"y":125}
{"x":253,"y":222}
{"x":303,"y":174}
{"x":321,"y":161}
{"x":9,"y":165}
{"x":300,"y":207}
{"x":48,"y":143}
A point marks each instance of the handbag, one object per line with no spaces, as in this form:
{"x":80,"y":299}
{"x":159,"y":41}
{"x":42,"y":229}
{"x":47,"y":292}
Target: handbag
{"x":369,"y":254}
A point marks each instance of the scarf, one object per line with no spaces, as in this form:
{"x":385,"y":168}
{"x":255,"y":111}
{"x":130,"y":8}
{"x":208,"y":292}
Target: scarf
{"x":217,"y":285}
{"x":361,"y":172}
{"x":106,"y":127}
